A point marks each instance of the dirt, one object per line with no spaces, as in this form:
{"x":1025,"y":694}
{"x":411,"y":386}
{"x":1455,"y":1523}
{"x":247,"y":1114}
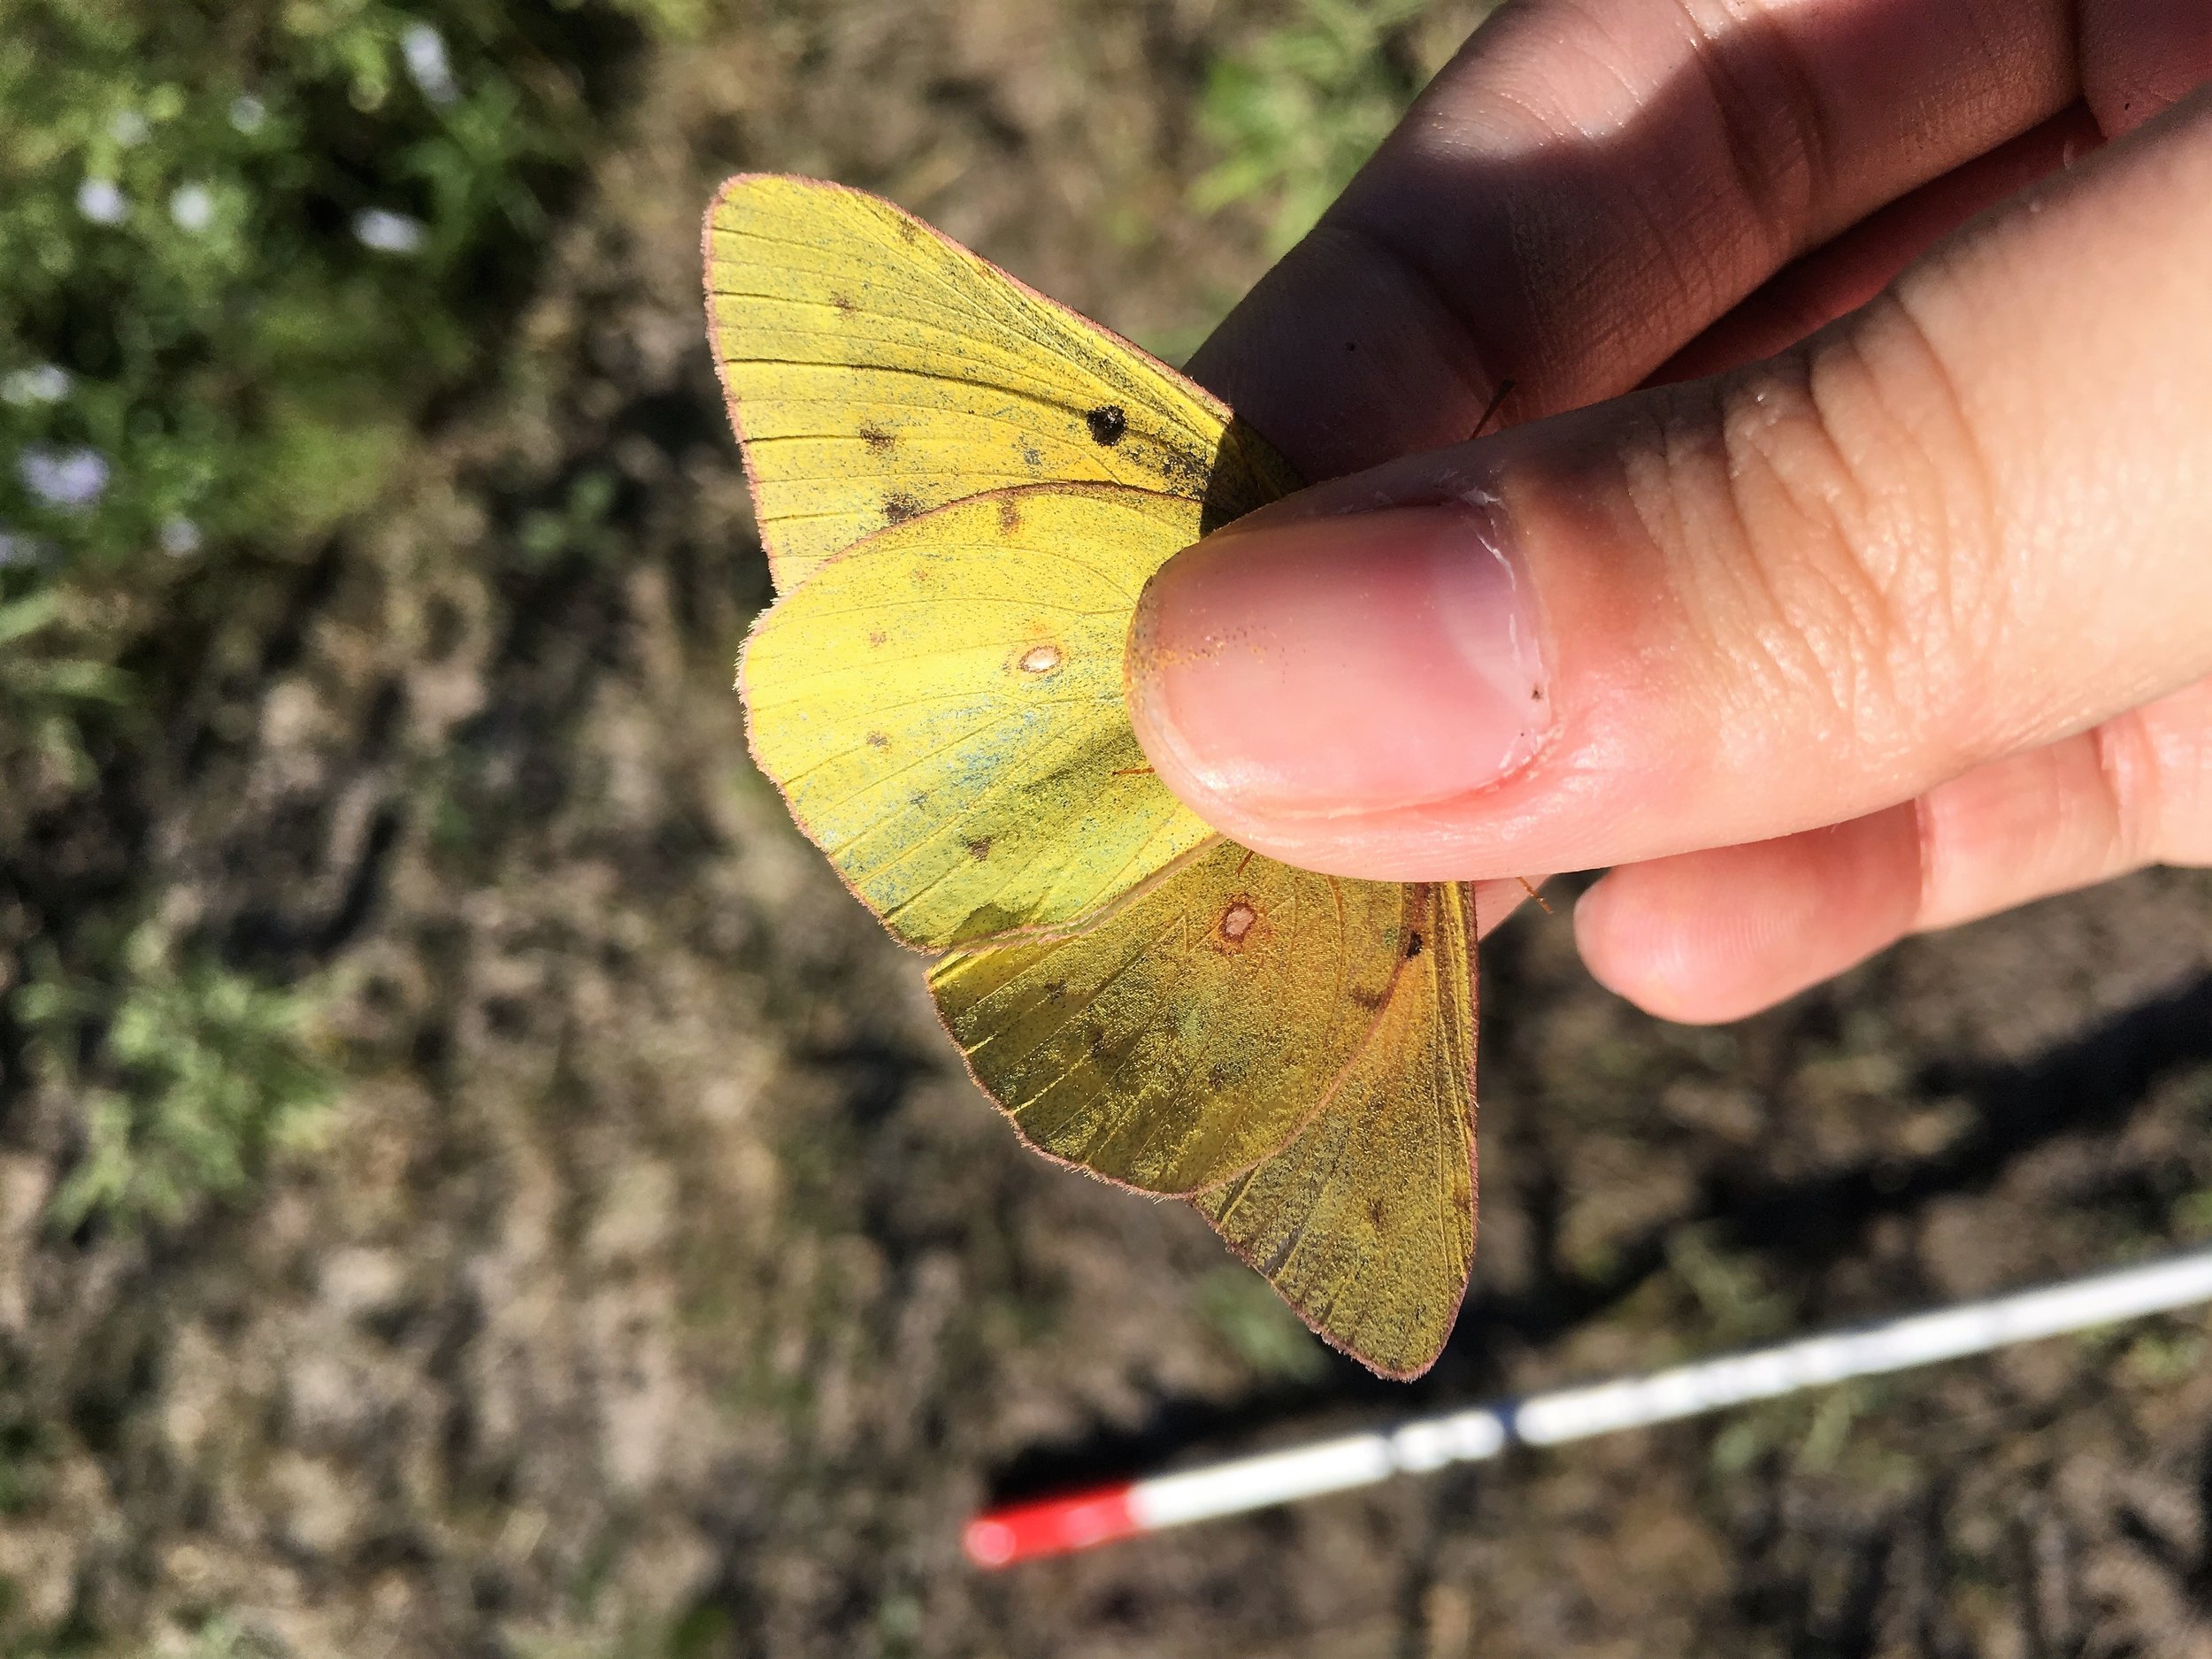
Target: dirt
{"x":660,"y":1286}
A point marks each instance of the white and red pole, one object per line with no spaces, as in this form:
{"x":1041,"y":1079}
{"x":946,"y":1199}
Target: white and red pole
{"x":1053,"y":1526}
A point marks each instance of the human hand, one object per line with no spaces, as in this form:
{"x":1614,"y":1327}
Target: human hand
{"x":1908,"y":624}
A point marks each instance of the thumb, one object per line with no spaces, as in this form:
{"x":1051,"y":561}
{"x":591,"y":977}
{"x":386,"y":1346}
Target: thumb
{"x":1973,"y":517}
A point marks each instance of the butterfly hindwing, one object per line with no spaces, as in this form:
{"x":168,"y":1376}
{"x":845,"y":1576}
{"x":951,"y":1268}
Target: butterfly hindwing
{"x":1365,"y":1221}
{"x":1191,"y":1031}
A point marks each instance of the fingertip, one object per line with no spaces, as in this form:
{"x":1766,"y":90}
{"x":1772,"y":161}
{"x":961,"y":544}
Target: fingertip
{"x":1707,"y":937}
{"x":1326,"y":669}
{"x":1647,"y":935}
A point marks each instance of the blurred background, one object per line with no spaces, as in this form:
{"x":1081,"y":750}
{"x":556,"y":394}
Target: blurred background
{"x":472,"y":1184}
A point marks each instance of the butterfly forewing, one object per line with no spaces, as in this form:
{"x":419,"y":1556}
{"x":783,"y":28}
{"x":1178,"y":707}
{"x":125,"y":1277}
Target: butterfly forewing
{"x":876,"y":369}
{"x":942,"y":706}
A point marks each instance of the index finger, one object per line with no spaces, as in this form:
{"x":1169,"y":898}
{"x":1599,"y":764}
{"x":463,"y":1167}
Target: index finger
{"x":1585,"y":189}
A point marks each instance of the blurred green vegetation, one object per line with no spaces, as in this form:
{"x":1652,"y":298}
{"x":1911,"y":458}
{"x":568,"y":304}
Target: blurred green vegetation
{"x":42,"y":695}
{"x":1295,"y":115}
{"x":244,"y":246}
{"x":195,"y":1075}
{"x":245,"y":250}
{"x":225,"y":1637}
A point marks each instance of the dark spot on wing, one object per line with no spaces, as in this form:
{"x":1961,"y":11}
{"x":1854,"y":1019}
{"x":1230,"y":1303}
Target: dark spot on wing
{"x":844,"y":303}
{"x":1217,"y":1076}
{"x":877,"y":439}
{"x":877,"y":636}
{"x":1010,"y":515}
{"x":899,"y":506}
{"x":909,"y":230}
{"x":879,"y":740}
{"x":1375,"y":1211}
{"x":1413,"y":945}
{"x":1032,"y":456}
{"x":1362,"y":997}
{"x":1055,"y":990}
{"x":1106,"y":423}
{"x":979,"y":848}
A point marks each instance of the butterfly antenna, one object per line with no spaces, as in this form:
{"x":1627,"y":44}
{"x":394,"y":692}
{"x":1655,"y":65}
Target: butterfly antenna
{"x":1528,"y":887}
{"x":1497,"y":402}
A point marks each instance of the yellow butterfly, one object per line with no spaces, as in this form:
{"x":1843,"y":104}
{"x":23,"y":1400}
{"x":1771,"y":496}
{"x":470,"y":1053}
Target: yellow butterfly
{"x":962,"y":487}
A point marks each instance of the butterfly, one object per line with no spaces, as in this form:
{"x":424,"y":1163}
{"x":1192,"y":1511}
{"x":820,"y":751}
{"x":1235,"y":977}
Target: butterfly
{"x":962,"y":487}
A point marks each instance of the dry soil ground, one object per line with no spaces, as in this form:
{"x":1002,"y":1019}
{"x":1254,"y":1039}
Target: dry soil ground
{"x":663,"y":1287}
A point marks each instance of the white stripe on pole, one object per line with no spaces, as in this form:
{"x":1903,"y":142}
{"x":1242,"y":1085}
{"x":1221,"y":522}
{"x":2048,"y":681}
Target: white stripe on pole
{"x":1571,"y":1414}
{"x":1254,"y":1483}
{"x":1919,"y":1339}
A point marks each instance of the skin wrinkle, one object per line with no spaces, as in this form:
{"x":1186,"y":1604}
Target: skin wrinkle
{"x":1815,"y":627}
{"x":1778,"y":183}
{"x":2127,"y":771}
{"x":2129,"y":815}
{"x":1789,"y":221}
{"x":1928,"y":844}
{"x":1893,"y":491}
{"x":1873,"y":567}
{"x":1701,"y":283}
{"x":1750,"y":619}
{"x":1841,"y":608}
{"x":1546,"y":348}
{"x":1567,"y":342}
{"x":1649,"y":463}
{"x":1994,"y":25}
{"x":1699,"y":277}
{"x":1611,"y":63}
{"x":2136,"y":57}
{"x":1977,"y":638}
{"x":1853,"y":612}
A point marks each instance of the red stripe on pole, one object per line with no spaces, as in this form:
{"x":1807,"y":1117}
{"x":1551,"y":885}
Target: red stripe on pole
{"x":999,"y":1536}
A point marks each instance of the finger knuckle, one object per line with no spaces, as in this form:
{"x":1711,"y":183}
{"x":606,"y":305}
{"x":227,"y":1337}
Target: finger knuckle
{"x":2158,"y":763}
{"x":2128,"y":790}
{"x":1771,"y":115}
{"x":1840,"y":548}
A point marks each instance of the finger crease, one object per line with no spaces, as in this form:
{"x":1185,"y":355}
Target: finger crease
{"x":1974,"y":595}
{"x":1927,"y":836}
{"x":1778,"y":182}
{"x":1478,"y":378}
{"x":2127,"y":771}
